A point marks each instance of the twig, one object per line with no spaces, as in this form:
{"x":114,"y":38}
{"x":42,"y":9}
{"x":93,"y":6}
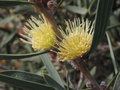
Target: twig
{"x":82,"y":67}
{"x":49,"y":17}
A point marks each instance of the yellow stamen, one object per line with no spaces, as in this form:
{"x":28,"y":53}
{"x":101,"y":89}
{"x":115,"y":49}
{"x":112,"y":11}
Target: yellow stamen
{"x":41,"y":33}
{"x":76,"y":40}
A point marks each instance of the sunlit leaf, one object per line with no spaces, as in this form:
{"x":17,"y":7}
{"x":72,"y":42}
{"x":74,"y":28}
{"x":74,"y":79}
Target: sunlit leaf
{"x":77,"y":9}
{"x":51,"y":69}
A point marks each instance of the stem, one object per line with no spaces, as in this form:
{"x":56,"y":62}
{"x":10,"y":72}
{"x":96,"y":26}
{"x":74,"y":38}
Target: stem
{"x":49,"y":17}
{"x":82,"y":67}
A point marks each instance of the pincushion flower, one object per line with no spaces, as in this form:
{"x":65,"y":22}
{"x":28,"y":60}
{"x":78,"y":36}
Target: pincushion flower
{"x":77,"y":39}
{"x":40,"y":33}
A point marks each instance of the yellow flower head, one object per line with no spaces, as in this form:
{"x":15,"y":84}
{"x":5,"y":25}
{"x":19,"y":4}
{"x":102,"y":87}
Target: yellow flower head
{"x":40,"y":33}
{"x":77,"y":39}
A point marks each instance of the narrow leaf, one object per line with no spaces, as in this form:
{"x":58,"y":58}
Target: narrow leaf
{"x":24,"y":80}
{"x":51,"y":69}
{"x":8,"y":3}
{"x":53,"y":83}
{"x":7,"y":19}
{"x":9,"y":38}
{"x":112,"y":53}
{"x":76,"y":9}
{"x":113,"y":26}
{"x":117,"y":83}
{"x":102,"y":16}
{"x":92,"y":7}
{"x":24,"y":9}
{"x":111,"y":82}
{"x":20,"y":56}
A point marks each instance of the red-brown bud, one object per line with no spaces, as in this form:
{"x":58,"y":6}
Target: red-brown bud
{"x":49,"y":4}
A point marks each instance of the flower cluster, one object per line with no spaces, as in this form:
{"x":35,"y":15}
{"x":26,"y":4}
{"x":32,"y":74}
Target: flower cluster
{"x":75,"y":42}
{"x":39,"y":33}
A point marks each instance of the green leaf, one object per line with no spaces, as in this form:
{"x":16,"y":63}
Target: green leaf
{"x":7,"y":19}
{"x":92,"y":7}
{"x":24,"y":80}
{"x":109,"y":78}
{"x":102,"y":16}
{"x":20,"y":56}
{"x":112,"y":53}
{"x":8,"y":3}
{"x":93,"y":71}
{"x":51,"y":69}
{"x":24,"y":9}
{"x":76,"y":9}
{"x":117,"y":83}
{"x":86,"y":2}
{"x":113,"y":26}
{"x":111,"y":82}
{"x":53,"y":83}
